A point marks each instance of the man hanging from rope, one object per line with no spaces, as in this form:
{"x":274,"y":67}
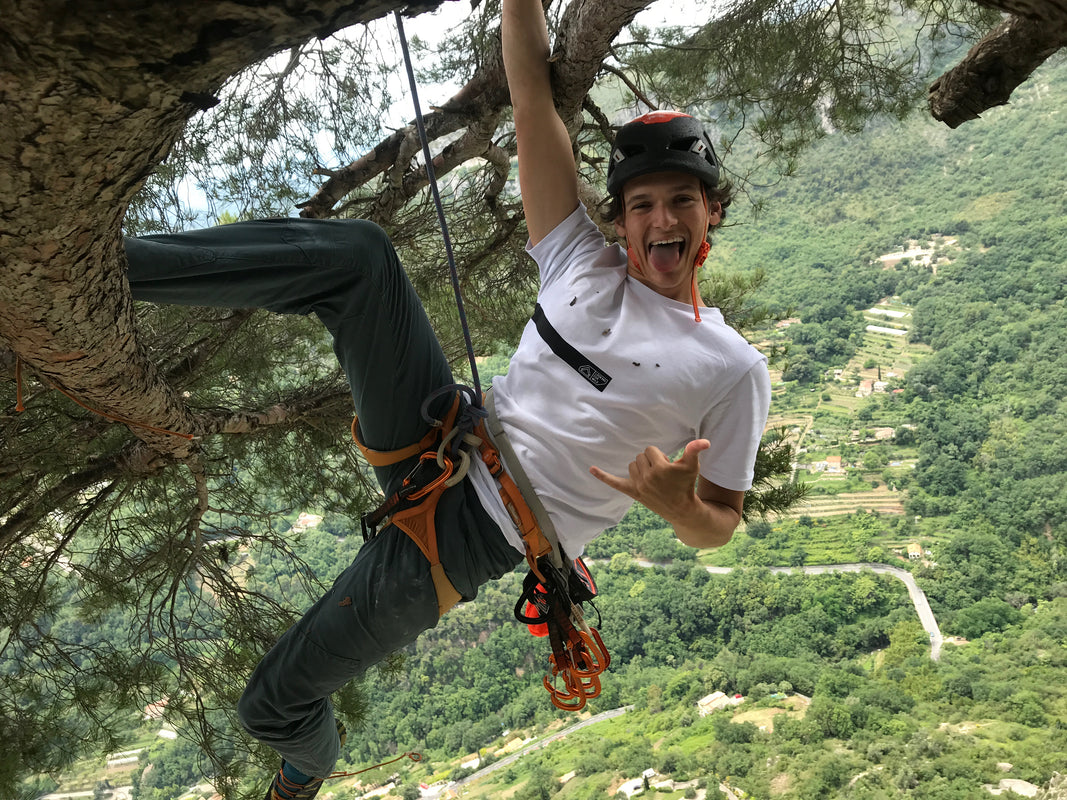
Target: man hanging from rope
{"x":620,"y":365}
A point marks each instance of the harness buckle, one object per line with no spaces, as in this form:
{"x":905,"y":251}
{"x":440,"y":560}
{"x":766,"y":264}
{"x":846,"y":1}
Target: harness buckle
{"x":431,"y":470}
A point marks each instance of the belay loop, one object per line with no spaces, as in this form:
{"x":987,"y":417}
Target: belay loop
{"x":551,"y":605}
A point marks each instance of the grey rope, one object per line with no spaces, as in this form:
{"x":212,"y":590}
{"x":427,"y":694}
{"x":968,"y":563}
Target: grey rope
{"x":477,"y":399}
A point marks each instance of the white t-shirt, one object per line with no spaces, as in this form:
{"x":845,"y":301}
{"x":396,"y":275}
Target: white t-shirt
{"x":607,"y":367}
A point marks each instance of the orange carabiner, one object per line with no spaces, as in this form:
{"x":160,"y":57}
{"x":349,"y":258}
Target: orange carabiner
{"x":446,"y":472}
{"x":571,"y":700}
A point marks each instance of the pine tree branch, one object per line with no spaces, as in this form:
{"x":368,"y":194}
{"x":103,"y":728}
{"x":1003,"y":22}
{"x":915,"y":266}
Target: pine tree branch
{"x":137,"y":460}
{"x":334,"y":404}
{"x":23,"y":519}
{"x":480,"y":99}
{"x":193,"y":357}
{"x":628,"y":82}
{"x":587,"y":30}
{"x":994,"y":68}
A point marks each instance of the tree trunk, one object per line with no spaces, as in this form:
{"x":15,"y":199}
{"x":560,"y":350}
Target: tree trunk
{"x":94,"y":95}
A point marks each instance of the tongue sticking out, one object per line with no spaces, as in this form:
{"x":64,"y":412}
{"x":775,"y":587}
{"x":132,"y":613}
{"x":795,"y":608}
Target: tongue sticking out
{"x":665,"y":257}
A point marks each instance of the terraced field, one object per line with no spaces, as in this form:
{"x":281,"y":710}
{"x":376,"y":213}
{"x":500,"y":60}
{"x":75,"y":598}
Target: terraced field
{"x":881,"y":500}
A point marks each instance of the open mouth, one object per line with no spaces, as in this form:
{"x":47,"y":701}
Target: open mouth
{"x":665,"y":256}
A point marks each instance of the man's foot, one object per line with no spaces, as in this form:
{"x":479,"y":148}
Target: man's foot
{"x":281,"y":788}
{"x":291,"y":784}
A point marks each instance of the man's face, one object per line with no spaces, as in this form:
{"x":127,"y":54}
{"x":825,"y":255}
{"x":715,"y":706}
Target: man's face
{"x":664,"y":222}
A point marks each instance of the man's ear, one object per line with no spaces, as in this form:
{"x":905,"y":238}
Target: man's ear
{"x":620,"y":226}
{"x":714,"y":214}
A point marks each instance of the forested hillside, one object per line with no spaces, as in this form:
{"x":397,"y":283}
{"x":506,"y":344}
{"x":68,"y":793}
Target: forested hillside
{"x":988,"y":405}
{"x":984,"y":415}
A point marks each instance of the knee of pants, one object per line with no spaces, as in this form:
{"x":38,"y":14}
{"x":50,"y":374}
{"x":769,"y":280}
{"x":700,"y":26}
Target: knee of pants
{"x":354,"y":256}
{"x":364,"y":245}
{"x":259,"y":717}
{"x":253,"y":713}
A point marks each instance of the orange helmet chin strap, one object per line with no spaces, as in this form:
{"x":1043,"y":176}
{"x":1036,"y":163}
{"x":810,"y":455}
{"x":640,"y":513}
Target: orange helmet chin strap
{"x":632,"y":255}
{"x":702,"y":254}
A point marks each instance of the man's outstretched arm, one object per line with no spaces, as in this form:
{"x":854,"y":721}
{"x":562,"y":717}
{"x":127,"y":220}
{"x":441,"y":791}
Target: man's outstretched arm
{"x":547,"y":175}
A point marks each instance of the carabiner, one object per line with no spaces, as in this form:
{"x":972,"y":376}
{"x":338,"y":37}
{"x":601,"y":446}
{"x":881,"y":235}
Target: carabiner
{"x":426,"y":460}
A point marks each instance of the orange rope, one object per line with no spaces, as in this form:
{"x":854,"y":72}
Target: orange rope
{"x":412,"y":755}
{"x":113,"y":417}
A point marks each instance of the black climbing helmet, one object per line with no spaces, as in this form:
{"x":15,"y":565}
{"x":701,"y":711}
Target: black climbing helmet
{"x":662,"y":141}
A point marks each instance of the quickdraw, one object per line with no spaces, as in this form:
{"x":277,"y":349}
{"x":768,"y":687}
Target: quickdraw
{"x":579,"y":655}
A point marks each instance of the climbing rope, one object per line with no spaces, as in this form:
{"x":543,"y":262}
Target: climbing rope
{"x":412,"y":755}
{"x":432,"y":177}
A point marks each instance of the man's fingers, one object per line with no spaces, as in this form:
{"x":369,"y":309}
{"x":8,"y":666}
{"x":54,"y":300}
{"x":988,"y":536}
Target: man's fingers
{"x":614,"y":481}
{"x":653,"y":455}
{"x":691,"y":456}
{"x":651,"y":468}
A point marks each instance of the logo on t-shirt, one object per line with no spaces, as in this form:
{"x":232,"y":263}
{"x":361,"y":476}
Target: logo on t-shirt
{"x":566,"y":351}
{"x":593,"y":375}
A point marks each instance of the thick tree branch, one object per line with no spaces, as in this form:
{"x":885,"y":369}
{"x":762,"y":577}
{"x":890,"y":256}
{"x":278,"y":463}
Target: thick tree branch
{"x":481,"y":98}
{"x":587,"y":30}
{"x":994,"y":68}
{"x":1052,"y":12}
{"x":92,"y":106}
{"x":586,"y":33}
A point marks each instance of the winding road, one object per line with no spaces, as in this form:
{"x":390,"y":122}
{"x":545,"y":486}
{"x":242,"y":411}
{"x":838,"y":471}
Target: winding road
{"x":918,"y":597}
{"x":510,"y":759}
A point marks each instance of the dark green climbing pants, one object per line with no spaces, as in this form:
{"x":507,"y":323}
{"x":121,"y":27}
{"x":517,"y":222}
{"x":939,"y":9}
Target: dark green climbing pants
{"x":347,"y":273}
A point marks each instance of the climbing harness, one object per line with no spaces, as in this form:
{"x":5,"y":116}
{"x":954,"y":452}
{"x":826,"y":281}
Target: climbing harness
{"x":556,"y":587}
{"x":411,"y":507}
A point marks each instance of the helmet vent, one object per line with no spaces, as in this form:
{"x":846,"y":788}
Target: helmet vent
{"x":689,"y":145}
{"x":627,"y":151}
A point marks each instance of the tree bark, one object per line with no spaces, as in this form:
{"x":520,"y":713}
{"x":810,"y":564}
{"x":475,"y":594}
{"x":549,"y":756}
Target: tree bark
{"x":1001,"y":61}
{"x":94,"y":95}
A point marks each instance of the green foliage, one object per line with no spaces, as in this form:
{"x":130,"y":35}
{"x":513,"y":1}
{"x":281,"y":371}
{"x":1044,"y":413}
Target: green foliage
{"x":770,"y":493}
{"x":729,"y":732}
{"x":169,"y":768}
{"x":149,"y":609}
{"x":987,"y":615}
